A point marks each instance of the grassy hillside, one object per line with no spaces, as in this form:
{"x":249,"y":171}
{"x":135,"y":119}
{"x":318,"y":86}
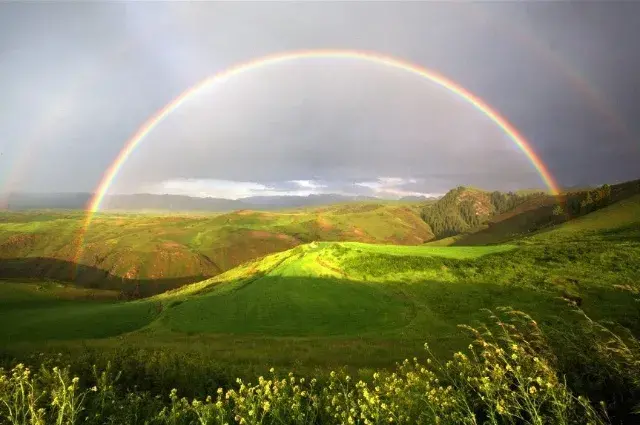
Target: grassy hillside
{"x":151,"y":253}
{"x":542,"y":212}
{"x":48,"y":310}
{"x":379,"y":293}
{"x":464,"y":209}
{"x":324,"y":305}
{"x":619,"y":222}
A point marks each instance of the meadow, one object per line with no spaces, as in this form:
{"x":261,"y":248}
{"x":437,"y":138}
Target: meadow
{"x":355,"y":308}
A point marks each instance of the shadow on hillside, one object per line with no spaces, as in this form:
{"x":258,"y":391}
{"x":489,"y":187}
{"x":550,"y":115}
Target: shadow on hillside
{"x":514,"y":224}
{"x":88,"y":277}
{"x":629,"y":232}
{"x":539,"y":217}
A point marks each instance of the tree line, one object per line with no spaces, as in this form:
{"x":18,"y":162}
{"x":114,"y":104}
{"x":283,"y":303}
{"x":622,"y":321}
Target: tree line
{"x":451,"y":216}
{"x":579,"y":203}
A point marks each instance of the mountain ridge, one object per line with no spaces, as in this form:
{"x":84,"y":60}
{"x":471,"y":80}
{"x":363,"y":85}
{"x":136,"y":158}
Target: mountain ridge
{"x":146,"y":201}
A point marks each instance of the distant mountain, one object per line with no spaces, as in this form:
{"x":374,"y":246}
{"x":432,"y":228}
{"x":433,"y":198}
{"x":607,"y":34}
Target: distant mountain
{"x":419,"y":198}
{"x":274,"y":202}
{"x":25,"y":201}
{"x":145,"y":201}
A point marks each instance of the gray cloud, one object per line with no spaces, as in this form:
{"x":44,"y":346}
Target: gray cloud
{"x":385,"y":187}
{"x":325,"y":120}
{"x":79,"y":79}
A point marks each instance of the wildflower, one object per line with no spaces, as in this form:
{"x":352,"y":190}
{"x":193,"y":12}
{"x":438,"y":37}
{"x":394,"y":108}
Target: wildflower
{"x":532,"y":389}
{"x":272,"y":370}
{"x":514,"y":356}
{"x":94,"y":388}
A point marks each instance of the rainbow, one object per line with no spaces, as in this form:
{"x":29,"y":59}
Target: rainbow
{"x":512,"y":29}
{"x":156,"y":118}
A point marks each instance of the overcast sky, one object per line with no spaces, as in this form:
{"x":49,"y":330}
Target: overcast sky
{"x":78,"y":79}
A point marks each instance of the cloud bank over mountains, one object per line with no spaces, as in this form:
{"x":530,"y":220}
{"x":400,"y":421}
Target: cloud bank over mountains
{"x":384,"y":187}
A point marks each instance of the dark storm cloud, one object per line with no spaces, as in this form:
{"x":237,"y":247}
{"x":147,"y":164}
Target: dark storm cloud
{"x":78,"y":79}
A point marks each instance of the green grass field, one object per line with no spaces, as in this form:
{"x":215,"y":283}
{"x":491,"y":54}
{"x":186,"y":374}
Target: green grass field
{"x":325,"y":305}
{"x":359,"y":293}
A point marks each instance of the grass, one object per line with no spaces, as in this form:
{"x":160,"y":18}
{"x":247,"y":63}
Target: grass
{"x":324,"y":305}
{"x":508,"y":374}
{"x":619,"y":222}
{"x":461,"y":252}
{"x":368,"y":296}
{"x":50,"y":311}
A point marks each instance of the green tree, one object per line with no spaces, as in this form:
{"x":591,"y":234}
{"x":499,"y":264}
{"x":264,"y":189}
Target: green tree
{"x":558,"y":210}
{"x":586,"y":204}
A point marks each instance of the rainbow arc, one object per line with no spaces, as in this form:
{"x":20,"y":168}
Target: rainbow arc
{"x":371,"y":57}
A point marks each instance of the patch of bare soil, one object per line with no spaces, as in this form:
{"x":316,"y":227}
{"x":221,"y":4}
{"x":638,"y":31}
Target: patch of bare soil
{"x":324,"y":224}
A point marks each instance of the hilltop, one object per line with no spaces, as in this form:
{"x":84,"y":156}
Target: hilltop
{"x":540,"y":212}
{"x":463,"y":209}
{"x":469,"y":216}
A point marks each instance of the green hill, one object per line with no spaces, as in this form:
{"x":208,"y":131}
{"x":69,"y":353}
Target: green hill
{"x":372,"y":293}
{"x":326,"y":305}
{"x":541,"y":213}
{"x":464,"y":209}
{"x":146,"y":253}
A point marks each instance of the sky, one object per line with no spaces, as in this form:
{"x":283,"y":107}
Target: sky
{"x":77,"y":80}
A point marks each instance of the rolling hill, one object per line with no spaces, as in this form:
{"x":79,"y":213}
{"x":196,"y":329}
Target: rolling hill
{"x":320,"y":306}
{"x":463,"y":209}
{"x":372,"y":292}
{"x":545,"y":212}
{"x":146,"y":254}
